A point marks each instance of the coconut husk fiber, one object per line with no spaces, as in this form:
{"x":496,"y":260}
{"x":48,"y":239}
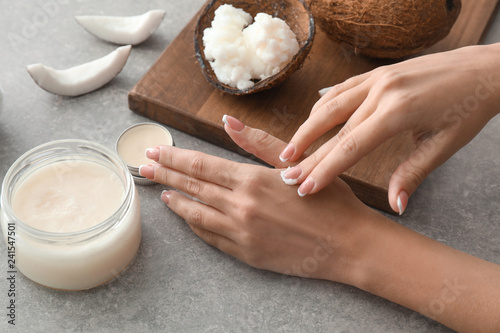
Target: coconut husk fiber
{"x":386,"y":28}
{"x":294,"y":12}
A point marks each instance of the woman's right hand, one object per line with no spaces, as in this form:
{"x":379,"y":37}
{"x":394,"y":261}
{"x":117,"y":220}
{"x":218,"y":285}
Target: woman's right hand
{"x":443,"y":99}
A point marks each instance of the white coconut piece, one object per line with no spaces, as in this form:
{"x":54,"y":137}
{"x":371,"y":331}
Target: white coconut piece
{"x":80,"y":79}
{"x":129,"y":30}
{"x":323,"y":91}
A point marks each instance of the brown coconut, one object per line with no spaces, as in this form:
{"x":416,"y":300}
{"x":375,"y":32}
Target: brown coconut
{"x":386,"y":28}
{"x":294,"y":12}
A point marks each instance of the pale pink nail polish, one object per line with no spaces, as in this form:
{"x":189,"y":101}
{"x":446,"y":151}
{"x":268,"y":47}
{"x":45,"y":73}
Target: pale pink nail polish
{"x":165,"y":196}
{"x":402,"y":202}
{"x":293,"y":173}
{"x":234,"y":123}
{"x":147,"y":171}
{"x":306,"y":187}
{"x":153,"y":154}
{"x":287,"y":153}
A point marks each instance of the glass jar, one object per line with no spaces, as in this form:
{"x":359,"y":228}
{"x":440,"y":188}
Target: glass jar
{"x":80,"y":259}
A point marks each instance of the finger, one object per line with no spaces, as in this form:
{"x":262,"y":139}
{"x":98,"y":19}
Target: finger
{"x":254,"y":141}
{"x":330,"y":114}
{"x":350,"y":147}
{"x":196,"y":164}
{"x":340,"y":88}
{"x":198,"y":214}
{"x":299,"y":173}
{"x":304,"y":168}
{"x":422,"y":161}
{"x":220,"y":242}
{"x":210,"y":229}
{"x":210,"y":193}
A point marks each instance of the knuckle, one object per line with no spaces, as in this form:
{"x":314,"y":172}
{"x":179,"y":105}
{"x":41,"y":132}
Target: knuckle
{"x":193,"y":186}
{"x":195,"y":217}
{"x":417,"y":175}
{"x":166,"y":156}
{"x":348,"y":145}
{"x":414,"y":173}
{"x":210,"y":239}
{"x":253,"y":183}
{"x":338,"y":88}
{"x":332,"y":106}
{"x":346,"y":141}
{"x":248,"y":213}
{"x":197,"y":165}
{"x":226,"y":175}
{"x":261,"y":140}
{"x":390,"y":79}
{"x":344,"y":131}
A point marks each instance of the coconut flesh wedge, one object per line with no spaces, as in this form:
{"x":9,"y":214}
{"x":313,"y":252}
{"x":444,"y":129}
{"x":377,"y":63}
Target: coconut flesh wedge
{"x":131,"y":30}
{"x":80,"y":79}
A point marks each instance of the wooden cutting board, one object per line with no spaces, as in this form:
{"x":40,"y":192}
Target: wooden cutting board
{"x":175,"y":92}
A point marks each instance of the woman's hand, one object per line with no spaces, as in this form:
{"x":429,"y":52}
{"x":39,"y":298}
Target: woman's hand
{"x":248,"y":212}
{"x":443,"y":99}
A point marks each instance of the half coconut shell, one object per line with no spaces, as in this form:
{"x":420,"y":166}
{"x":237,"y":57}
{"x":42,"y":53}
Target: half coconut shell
{"x":294,"y":12}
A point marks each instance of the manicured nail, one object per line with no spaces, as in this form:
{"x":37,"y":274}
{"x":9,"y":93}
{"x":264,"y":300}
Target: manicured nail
{"x":306,"y":187}
{"x":147,"y":171}
{"x":165,"y":196}
{"x":153,"y":154}
{"x":402,"y":202}
{"x":323,"y":91}
{"x":291,"y":175}
{"x":234,"y":123}
{"x":287,"y":153}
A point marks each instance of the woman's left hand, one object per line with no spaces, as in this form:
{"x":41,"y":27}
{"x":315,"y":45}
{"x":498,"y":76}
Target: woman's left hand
{"x":248,"y":212}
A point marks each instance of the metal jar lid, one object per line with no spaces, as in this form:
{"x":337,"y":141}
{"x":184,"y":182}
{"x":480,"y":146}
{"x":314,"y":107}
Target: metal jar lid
{"x":132,"y":143}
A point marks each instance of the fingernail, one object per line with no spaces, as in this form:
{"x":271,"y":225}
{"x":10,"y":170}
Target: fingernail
{"x":323,"y":91}
{"x":165,"y":196}
{"x":147,"y":171}
{"x":291,"y":175}
{"x":306,"y":187}
{"x":234,"y":123}
{"x":402,"y":202}
{"x":287,"y":153}
{"x":153,"y":154}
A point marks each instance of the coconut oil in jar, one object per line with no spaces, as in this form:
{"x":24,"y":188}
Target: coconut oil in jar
{"x":74,"y":212}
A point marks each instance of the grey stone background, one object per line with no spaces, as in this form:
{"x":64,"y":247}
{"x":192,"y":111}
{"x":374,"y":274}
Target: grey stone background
{"x":177,"y":283}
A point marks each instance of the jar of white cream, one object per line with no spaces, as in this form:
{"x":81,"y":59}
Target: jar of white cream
{"x":70,"y":214}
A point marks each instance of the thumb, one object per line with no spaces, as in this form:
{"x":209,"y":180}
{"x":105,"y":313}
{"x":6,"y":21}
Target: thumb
{"x":428,"y":155}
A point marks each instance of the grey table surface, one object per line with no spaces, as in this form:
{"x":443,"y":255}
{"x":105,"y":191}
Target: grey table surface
{"x":177,"y":283}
